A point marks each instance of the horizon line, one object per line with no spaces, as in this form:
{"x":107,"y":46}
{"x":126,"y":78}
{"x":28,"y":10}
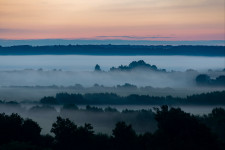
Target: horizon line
{"x":133,"y":39}
{"x":44,"y":42}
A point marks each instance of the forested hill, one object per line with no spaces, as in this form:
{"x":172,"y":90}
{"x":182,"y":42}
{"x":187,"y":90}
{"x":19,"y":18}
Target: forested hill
{"x":114,"y":50}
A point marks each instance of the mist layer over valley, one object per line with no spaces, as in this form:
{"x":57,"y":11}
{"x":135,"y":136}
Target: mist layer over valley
{"x":132,"y":82}
{"x":103,"y":94}
{"x":102,"y":117}
{"x":87,"y":62}
{"x":138,"y":77}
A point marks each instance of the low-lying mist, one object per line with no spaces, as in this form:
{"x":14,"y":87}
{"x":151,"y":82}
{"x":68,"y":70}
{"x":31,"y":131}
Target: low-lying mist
{"x":103,"y":121}
{"x":33,"y":84}
{"x":138,"y":73}
{"x":103,"y":118}
{"x":87,"y":79}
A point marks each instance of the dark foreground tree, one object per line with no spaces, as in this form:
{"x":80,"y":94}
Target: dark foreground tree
{"x":216,"y":121}
{"x":64,"y":131}
{"x":124,"y":137}
{"x":17,"y":133}
{"x":178,"y":130}
{"x":10,"y":128}
{"x":69,"y":136}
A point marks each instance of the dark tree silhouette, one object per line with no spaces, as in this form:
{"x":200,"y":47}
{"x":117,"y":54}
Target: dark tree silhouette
{"x":124,"y":137}
{"x":28,"y":126}
{"x":179,"y":130}
{"x":14,"y":128}
{"x":202,"y":79}
{"x":64,"y":131}
{"x":216,"y":121}
{"x":205,"y":80}
{"x":97,"y":67}
{"x":176,"y":130}
{"x":10,"y":127}
{"x":69,"y":136}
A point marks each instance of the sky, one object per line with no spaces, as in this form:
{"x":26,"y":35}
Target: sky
{"x":169,"y":20}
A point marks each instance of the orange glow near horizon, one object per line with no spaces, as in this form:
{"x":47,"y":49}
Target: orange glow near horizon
{"x":112,"y":19}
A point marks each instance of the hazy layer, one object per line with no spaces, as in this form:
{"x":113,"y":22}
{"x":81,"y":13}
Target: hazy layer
{"x":35,"y":84}
{"x":102,"y":122}
{"x":66,"y":78}
{"x":79,"y":70}
{"x":87,"y":63}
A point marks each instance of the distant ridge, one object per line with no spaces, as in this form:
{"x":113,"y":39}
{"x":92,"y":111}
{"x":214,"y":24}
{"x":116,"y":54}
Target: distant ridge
{"x":44,"y":42}
{"x":114,"y":50}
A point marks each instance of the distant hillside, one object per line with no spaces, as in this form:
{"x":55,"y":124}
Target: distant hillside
{"x":114,"y":50}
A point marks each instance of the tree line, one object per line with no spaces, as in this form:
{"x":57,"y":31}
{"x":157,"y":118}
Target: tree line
{"x":176,"y":130}
{"x":114,"y":50}
{"x":212,"y":98}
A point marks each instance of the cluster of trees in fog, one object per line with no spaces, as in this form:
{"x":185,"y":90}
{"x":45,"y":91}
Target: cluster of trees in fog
{"x":138,"y":73}
{"x":213,"y":98}
{"x":206,"y":80}
{"x":137,"y":65}
{"x":176,"y":130}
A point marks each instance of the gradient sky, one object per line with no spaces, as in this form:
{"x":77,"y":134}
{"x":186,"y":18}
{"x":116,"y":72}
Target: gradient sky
{"x":113,"y":19}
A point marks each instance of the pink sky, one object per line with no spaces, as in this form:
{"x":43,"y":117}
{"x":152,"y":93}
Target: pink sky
{"x":113,"y":19}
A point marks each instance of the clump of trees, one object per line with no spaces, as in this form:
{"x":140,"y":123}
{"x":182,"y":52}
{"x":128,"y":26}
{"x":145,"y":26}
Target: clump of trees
{"x":19,"y":133}
{"x":176,"y":130}
{"x":127,"y":86}
{"x":216,"y":122}
{"x":141,"y":64}
{"x":179,"y":130}
{"x":97,"y":68}
{"x":205,"y":80}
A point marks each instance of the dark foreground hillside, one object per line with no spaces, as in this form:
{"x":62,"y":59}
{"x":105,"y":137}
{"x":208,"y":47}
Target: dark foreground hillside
{"x":176,"y":130}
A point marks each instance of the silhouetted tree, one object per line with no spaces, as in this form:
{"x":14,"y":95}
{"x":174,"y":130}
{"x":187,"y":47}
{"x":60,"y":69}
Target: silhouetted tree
{"x":179,"y":130}
{"x":64,"y":131}
{"x":31,"y":130}
{"x":216,"y":121}
{"x":124,"y":137}
{"x":137,"y":65}
{"x":220,"y":81}
{"x":97,"y":67}
{"x":176,"y":130}
{"x":10,"y":128}
{"x":14,"y":128}
{"x":68,"y":135}
{"x":202,"y":79}
{"x":205,"y":80}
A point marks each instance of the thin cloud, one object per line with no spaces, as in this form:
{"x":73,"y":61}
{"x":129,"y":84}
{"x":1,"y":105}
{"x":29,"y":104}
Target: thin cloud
{"x":9,"y":30}
{"x":134,"y":37}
